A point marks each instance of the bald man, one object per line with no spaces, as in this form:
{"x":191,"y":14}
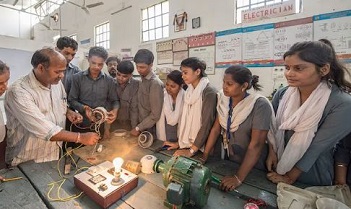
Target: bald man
{"x":36,"y":110}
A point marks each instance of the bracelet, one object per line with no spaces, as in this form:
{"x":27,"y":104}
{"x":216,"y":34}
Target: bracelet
{"x":237,"y":178}
{"x":341,"y":165}
{"x":78,"y":137}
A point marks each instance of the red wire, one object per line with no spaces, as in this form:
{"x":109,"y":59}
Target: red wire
{"x":258,"y":202}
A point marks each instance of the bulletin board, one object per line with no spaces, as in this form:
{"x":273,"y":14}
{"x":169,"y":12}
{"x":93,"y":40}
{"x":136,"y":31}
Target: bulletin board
{"x":289,"y":32}
{"x":258,"y":45}
{"x":207,"y":54}
{"x":164,"y":52}
{"x":228,"y":48}
{"x":335,"y":27}
{"x":180,"y":50}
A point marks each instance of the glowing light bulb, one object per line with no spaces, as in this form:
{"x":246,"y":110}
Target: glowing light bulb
{"x":117,"y":163}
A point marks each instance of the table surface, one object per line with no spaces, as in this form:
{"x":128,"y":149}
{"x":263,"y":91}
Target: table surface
{"x":150,"y":192}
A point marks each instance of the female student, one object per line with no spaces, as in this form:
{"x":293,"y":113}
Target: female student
{"x":167,"y":126}
{"x":199,"y":110}
{"x":244,"y":120}
{"x":312,"y":115}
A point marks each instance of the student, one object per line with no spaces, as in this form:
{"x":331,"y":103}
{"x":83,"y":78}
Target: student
{"x":36,"y":110}
{"x":68,"y":47}
{"x":92,"y":88}
{"x":112,"y":64}
{"x":150,"y":94}
{"x":244,"y":120}
{"x":127,"y":92}
{"x":4,"y":79}
{"x":342,"y":159}
{"x":199,"y":111}
{"x":342,"y":155}
{"x":312,"y":115}
{"x":167,"y":126}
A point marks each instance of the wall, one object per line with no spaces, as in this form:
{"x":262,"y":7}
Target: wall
{"x":16,"y":53}
{"x":15,"y":24}
{"x":215,"y":16}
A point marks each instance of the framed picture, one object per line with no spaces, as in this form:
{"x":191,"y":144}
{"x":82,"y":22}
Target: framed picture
{"x":180,"y":21}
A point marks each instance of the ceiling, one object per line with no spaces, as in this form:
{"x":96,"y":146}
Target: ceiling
{"x":20,"y":4}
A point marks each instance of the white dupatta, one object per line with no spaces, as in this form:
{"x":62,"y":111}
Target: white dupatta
{"x":302,"y":119}
{"x":168,"y":114}
{"x":190,"y":122}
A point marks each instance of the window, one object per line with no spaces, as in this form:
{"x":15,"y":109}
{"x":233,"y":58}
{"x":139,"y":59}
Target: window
{"x":74,"y":36}
{"x":250,"y":4}
{"x":155,"y":22}
{"x":102,"y":35}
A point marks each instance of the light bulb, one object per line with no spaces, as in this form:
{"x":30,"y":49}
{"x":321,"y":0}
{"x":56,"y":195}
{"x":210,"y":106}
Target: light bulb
{"x":117,"y":163}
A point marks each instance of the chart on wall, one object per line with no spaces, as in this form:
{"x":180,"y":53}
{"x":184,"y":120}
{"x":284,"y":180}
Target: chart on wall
{"x":335,"y":27}
{"x":207,"y":54}
{"x":164,"y":52}
{"x":258,"y":45}
{"x":180,"y":50}
{"x":289,"y":32}
{"x":228,"y":48}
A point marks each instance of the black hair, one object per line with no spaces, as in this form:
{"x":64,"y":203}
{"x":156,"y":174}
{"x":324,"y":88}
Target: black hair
{"x":144,"y":56}
{"x":3,"y":67}
{"x":195,"y":63}
{"x":43,"y":56}
{"x":320,"y":54}
{"x":98,"y":51}
{"x":66,"y":41}
{"x":125,"y":67}
{"x":241,"y":75}
{"x":176,"y":77}
{"x":113,"y":58}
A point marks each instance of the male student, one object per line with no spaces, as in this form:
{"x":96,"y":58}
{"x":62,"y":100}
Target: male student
{"x":36,"y":110}
{"x":68,"y":47}
{"x":150,"y":94}
{"x":93,"y":88}
{"x":127,"y":91}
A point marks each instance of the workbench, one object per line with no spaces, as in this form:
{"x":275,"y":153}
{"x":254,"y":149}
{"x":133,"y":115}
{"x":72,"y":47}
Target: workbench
{"x":150,"y":192}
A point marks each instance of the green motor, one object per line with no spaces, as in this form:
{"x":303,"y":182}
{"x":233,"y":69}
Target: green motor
{"x":187,"y":182}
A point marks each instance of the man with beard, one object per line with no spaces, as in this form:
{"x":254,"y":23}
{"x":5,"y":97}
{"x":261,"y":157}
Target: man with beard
{"x":112,"y":63}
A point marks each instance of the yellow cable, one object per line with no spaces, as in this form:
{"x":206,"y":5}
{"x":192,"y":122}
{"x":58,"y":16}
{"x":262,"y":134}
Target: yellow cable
{"x":69,"y":154}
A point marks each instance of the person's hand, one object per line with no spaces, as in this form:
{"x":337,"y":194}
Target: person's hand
{"x":1,"y":178}
{"x":89,"y":113}
{"x":172,"y":145}
{"x":89,"y":138}
{"x":203,"y":158}
{"x":229,"y":183}
{"x":134,"y":132}
{"x":272,"y":161}
{"x":74,"y":117}
{"x":183,"y":152}
{"x":111,"y":116}
{"x":277,"y":178}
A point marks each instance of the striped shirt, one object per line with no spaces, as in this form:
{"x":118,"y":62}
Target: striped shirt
{"x":34,"y":114}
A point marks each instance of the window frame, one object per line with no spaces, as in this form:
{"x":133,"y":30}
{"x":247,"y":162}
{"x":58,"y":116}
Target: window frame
{"x":100,"y":31}
{"x":155,"y":22}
